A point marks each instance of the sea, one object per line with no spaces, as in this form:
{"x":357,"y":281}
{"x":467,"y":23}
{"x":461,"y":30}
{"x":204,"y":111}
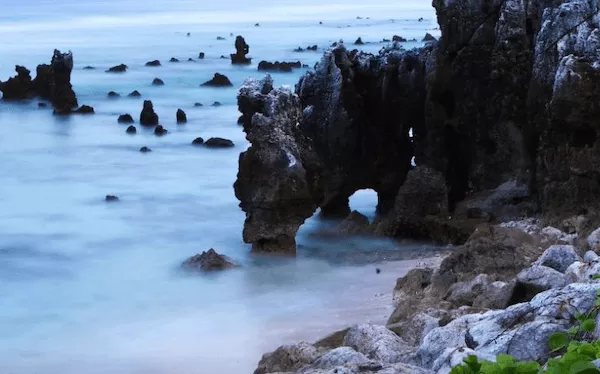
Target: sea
{"x":93,"y":287}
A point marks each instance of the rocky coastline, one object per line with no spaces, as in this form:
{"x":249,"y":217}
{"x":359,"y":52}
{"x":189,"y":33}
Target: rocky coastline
{"x":485,"y":139}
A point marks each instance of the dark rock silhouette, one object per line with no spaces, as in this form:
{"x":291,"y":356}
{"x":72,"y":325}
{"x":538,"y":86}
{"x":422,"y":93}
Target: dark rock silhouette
{"x":113,"y":94}
{"x":42,"y":105}
{"x":299,"y":49}
{"x":19,"y":87}
{"x":420,"y":19}
{"x":118,"y":69}
{"x":52,"y":83}
{"x":148,"y":117}
{"x":278,"y":66}
{"x":89,"y":68}
{"x":188,"y":34}
{"x":181,"y":117}
{"x":135,"y":94}
{"x":158,"y":82}
{"x":208,"y":261}
{"x":220,"y":38}
{"x":240,"y":120}
{"x":191,"y":59}
{"x":241,"y":50}
{"x":219,"y":80}
{"x":111,"y":198}
{"x":275,"y":208}
{"x":173,"y":59}
{"x":84,"y":109}
{"x":201,"y":55}
{"x":153,"y":63}
{"x":131,"y":130}
{"x":197,"y":105}
{"x":359,"y":41}
{"x":125,"y":118}
{"x":429,"y":38}
{"x":216,"y":103}
{"x":198,"y":141}
{"x":145,"y":150}
{"x":219,"y":143}
{"x":397,"y":38}
{"x":312,"y":48}
{"x":160,"y":131}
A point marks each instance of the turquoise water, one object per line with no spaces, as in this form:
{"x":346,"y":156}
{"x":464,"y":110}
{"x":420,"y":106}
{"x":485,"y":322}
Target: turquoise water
{"x":90,"y":287}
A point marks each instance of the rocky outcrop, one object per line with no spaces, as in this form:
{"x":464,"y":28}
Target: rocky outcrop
{"x":219,"y":143}
{"x":125,"y":118}
{"x":160,"y":131}
{"x":153,"y":63}
{"x":440,"y":329}
{"x":241,"y":50}
{"x":219,"y":80}
{"x":181,"y":116}
{"x":131,"y":130}
{"x":277,"y":66}
{"x":52,"y":83}
{"x":208,"y":261}
{"x":122,"y":68}
{"x":158,"y":82}
{"x":369,"y":117}
{"x":276,"y":179}
{"x":19,"y":87}
{"x":148,"y":117}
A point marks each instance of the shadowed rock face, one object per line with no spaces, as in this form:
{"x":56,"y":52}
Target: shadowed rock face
{"x":276,"y":180}
{"x":504,"y":108}
{"x":358,"y":110}
{"x":241,"y":50}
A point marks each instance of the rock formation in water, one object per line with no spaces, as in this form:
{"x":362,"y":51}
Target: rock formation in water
{"x":153,"y":63}
{"x":158,"y":82}
{"x":19,"y":87}
{"x":502,"y":107}
{"x":125,"y":118}
{"x":181,"y":116}
{"x":52,"y":83}
{"x":219,"y":80}
{"x":148,"y":117}
{"x":241,"y":50}
{"x":219,"y":143}
{"x":276,"y":176}
{"x":122,"y":68}
{"x":277,"y":66}
{"x":209,"y":261}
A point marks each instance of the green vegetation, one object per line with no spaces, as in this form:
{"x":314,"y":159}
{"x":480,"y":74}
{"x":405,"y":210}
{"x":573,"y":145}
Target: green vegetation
{"x":575,"y":352}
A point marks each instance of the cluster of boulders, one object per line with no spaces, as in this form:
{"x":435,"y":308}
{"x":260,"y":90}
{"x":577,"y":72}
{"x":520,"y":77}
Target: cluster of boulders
{"x":277,"y":66}
{"x":504,"y":292}
{"x":366,"y":120}
{"x":52,"y":83}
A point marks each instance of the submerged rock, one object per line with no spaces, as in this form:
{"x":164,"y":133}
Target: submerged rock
{"x":173,"y":59}
{"x":216,"y":103}
{"x":113,"y":94}
{"x":131,"y":130}
{"x":145,"y":150}
{"x":398,"y":39}
{"x":359,"y":41}
{"x":219,"y":80}
{"x":118,"y":69}
{"x":181,"y":117}
{"x":135,"y":94}
{"x":153,"y":63}
{"x":111,"y":198}
{"x":198,"y":141}
{"x":158,"y":82}
{"x":148,"y":117}
{"x":201,"y":55}
{"x":219,"y":143}
{"x":125,"y":118}
{"x":209,"y":261}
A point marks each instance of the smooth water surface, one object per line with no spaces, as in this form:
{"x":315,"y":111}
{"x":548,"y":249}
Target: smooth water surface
{"x":91,"y":287}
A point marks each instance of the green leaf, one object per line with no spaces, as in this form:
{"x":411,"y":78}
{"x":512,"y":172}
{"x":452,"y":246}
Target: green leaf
{"x":558,"y":341}
{"x":589,"y":350}
{"x":596,"y":277}
{"x":588,"y":325}
{"x":528,"y":368}
{"x":583,"y":367}
{"x":505,"y":360}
